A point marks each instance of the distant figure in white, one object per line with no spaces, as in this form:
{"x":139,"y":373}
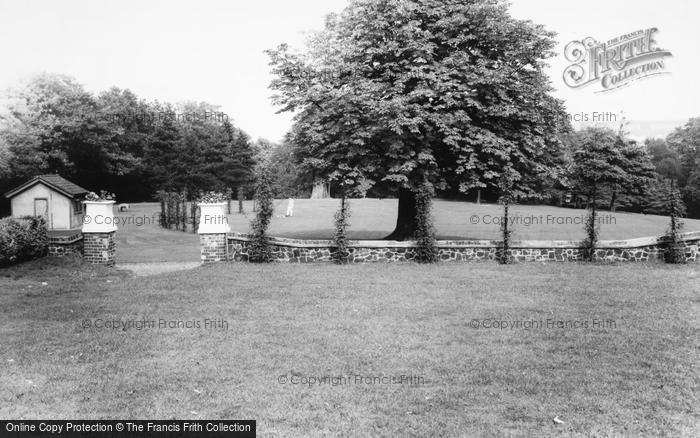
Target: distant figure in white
{"x":290,"y":207}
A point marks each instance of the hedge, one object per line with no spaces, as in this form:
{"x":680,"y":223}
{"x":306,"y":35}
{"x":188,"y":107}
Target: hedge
{"x":22,"y":239}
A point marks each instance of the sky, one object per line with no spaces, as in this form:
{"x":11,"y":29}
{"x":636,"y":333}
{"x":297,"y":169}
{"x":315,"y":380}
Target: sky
{"x":213,"y":51}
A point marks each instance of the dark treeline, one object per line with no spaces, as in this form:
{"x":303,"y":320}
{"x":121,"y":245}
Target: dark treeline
{"x":120,"y":143}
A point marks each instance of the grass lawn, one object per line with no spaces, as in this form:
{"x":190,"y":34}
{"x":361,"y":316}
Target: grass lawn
{"x":140,"y":238}
{"x":294,"y":322}
{"x":375,"y":219}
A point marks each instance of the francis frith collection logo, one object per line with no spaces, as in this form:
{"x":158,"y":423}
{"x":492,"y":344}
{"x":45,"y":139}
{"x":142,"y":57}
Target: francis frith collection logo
{"x":616,"y":62}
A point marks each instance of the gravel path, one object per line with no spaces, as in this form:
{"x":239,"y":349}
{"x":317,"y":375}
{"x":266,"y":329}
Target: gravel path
{"x":146,"y":269}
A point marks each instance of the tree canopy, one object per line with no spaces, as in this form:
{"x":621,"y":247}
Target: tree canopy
{"x":118,"y":142}
{"x":395,"y":93}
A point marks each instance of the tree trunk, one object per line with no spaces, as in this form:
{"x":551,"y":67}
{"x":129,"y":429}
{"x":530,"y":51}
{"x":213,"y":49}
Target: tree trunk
{"x":406,"y":219}
{"x":612,"y":200}
{"x":478,"y":196}
{"x":240,"y":199}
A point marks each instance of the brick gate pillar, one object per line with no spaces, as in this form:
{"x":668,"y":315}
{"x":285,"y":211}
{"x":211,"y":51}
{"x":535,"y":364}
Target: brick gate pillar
{"x":99,"y":229}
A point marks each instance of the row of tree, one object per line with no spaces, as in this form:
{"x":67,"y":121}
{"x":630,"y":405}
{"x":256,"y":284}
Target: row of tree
{"x":118,"y":142}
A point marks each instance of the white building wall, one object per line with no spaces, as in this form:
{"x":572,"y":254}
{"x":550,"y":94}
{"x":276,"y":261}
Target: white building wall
{"x":60,"y":209}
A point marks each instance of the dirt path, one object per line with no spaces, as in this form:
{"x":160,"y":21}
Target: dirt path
{"x":146,"y":269}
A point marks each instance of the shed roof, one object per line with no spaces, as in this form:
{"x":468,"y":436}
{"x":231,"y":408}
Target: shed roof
{"x":55,"y":182}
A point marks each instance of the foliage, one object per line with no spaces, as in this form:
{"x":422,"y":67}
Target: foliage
{"x":675,"y":247}
{"x":423,"y":90}
{"x":173,"y":211}
{"x":685,"y":142}
{"x":213,"y":197}
{"x":289,"y":181}
{"x":506,"y":199}
{"x":691,"y":194}
{"x":426,"y":251}
{"x":592,"y":229}
{"x":665,"y":159}
{"x":658,"y":197}
{"x":341,"y":253}
{"x":260,"y":251}
{"x":604,"y":160}
{"x":22,"y":239}
{"x":118,"y":141}
{"x":103,"y":196}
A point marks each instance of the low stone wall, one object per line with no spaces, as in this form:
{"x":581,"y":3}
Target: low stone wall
{"x":63,"y":245}
{"x":647,"y":249}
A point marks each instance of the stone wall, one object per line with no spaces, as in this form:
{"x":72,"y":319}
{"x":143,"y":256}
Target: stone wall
{"x":648,"y":249}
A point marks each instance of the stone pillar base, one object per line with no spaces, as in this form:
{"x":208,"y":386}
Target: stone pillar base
{"x":99,"y":248}
{"x":213,"y":247}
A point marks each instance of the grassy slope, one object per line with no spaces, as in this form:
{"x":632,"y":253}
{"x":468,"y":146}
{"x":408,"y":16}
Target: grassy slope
{"x":374,"y":218}
{"x":638,"y":379}
{"x":371,"y":219}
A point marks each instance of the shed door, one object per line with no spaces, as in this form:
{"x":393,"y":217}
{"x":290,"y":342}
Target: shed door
{"x":41,"y":208}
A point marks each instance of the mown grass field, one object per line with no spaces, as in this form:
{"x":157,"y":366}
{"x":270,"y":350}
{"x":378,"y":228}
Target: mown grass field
{"x":375,"y":219}
{"x":638,"y":377}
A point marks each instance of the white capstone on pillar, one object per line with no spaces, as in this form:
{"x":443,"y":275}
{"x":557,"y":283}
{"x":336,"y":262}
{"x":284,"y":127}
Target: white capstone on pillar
{"x":99,"y":217}
{"x":213,"y":228}
{"x":213,"y":218}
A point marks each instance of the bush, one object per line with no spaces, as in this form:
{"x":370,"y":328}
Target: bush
{"x":426,"y":251}
{"x":340,"y":237}
{"x":592,"y":233}
{"x":22,"y":239}
{"x":675,"y":248}
{"x":506,"y":199}
{"x":260,"y":251}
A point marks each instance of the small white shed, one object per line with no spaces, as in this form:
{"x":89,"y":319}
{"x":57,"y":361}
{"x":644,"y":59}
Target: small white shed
{"x":55,"y":198}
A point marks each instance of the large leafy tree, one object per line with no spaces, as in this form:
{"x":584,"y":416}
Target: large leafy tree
{"x":605,"y":161}
{"x":392,"y":94}
{"x":665,"y":159}
{"x":686,"y":142}
{"x":163,"y":154}
{"x":130,"y":126}
{"x":288,"y":181}
{"x":117,"y":141}
{"x":236,"y":167}
{"x":53,"y":126}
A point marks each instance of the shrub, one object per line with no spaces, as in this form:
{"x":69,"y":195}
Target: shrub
{"x":260,"y":251}
{"x":426,"y":251}
{"x":506,"y":198}
{"x":341,"y":253}
{"x":675,"y":248}
{"x":591,"y":241}
{"x":22,"y":239}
